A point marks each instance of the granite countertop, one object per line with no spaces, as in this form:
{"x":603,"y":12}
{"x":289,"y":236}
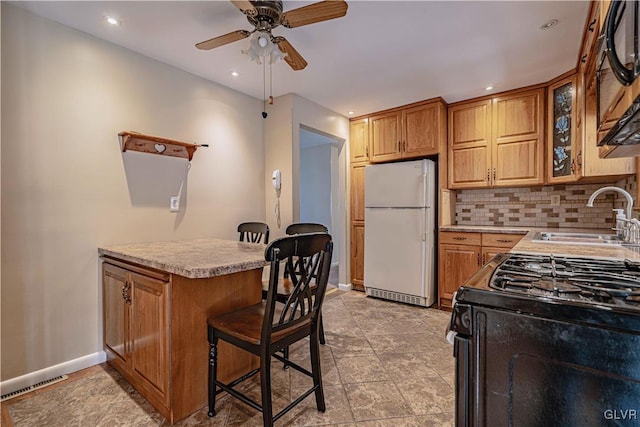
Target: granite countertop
{"x":528,"y":246}
{"x":194,"y":259}
{"x":485,"y":229}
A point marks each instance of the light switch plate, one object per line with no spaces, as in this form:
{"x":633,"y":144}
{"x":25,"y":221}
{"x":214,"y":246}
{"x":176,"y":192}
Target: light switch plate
{"x":555,"y":200}
{"x":174,"y":204}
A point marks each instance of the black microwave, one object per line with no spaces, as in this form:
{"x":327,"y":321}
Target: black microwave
{"x":618,"y":85}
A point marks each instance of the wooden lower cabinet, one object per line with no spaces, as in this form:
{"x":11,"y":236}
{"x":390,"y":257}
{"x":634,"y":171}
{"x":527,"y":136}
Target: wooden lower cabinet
{"x":155,"y":333}
{"x":461,"y":255}
{"x":357,"y":225}
{"x":136,"y":328}
{"x":457,"y":264}
{"x":357,"y":256}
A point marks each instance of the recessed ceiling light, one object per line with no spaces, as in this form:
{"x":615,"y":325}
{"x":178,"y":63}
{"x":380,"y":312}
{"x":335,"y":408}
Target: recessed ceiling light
{"x":549,"y":24}
{"x":351,"y":113}
{"x":235,"y":74}
{"x":488,"y":88}
{"x":111,"y":20}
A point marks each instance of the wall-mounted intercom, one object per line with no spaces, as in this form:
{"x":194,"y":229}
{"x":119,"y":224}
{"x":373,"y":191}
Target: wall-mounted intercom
{"x":276,"y":179}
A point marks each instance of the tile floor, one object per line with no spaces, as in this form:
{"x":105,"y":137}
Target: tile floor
{"x":385,"y":364}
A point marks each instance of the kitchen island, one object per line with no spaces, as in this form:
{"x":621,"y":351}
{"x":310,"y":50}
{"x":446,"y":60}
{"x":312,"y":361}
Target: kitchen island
{"x":156,"y":299}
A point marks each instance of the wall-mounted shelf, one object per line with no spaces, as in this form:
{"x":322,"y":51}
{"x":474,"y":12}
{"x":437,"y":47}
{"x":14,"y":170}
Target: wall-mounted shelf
{"x":156,"y":145}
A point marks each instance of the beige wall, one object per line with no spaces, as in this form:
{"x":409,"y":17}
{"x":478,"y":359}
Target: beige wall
{"x":282,"y":151}
{"x":67,"y":189}
{"x":278,"y":137}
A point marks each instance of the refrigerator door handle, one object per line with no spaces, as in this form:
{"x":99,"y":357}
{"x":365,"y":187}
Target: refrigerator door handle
{"x":425,"y":189}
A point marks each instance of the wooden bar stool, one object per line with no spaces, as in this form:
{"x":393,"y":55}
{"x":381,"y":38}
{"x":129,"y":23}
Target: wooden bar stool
{"x":267,"y":328}
{"x":285,"y":286}
{"x":254,"y":232}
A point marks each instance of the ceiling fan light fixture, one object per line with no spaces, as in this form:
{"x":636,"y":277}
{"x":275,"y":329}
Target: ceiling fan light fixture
{"x":261,"y":48}
{"x":276,"y":55}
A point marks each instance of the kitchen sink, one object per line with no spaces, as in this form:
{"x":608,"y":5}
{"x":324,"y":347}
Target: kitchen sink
{"x":578,"y":238}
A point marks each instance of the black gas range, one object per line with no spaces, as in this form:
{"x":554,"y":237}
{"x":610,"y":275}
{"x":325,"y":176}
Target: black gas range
{"x":544,"y":340}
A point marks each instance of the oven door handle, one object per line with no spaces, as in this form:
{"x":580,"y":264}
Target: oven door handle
{"x":622,"y":74}
{"x":463,"y":382}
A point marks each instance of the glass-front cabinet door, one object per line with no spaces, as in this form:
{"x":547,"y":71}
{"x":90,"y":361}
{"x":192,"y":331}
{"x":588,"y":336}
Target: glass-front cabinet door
{"x":562,"y":140}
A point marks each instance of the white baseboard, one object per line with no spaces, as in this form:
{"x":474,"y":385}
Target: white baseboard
{"x":17,"y":383}
{"x":345,"y":286}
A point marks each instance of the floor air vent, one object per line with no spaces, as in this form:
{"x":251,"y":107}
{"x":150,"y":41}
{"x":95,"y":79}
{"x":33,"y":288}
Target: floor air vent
{"x":397,"y":296}
{"x":25,"y":390}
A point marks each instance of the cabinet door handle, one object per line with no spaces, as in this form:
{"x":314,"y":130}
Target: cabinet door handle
{"x":404,"y":146}
{"x":126,"y":292}
{"x":366,"y":151}
{"x":504,"y":240}
{"x":488,"y":175}
{"x":584,"y":58}
{"x":479,"y":258}
{"x":459,"y":238}
{"x":484,"y":259}
{"x":494,"y":174}
{"x":399,"y":146}
{"x":592,"y":25}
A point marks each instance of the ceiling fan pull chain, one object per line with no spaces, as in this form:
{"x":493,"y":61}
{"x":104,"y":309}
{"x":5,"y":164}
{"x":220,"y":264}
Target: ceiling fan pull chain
{"x":264,"y":90}
{"x":270,"y":84}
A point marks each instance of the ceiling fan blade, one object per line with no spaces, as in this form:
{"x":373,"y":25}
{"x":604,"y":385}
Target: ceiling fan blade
{"x":245,"y":6}
{"x":224,"y":39}
{"x":293,"y":58}
{"x":316,"y":12}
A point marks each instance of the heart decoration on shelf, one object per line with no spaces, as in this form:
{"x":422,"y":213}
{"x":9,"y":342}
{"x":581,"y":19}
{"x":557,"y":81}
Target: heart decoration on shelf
{"x":160,"y":148}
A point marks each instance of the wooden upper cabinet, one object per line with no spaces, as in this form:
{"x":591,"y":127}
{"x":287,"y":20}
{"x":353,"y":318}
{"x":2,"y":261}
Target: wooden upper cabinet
{"x":469,"y":145}
{"x":590,"y":34}
{"x":423,"y":129}
{"x":518,"y":126}
{"x":359,"y":140}
{"x":470,"y":124}
{"x":414,"y":131}
{"x":497,"y":142}
{"x":562,"y":131}
{"x":385,"y":136}
{"x":604,"y":9}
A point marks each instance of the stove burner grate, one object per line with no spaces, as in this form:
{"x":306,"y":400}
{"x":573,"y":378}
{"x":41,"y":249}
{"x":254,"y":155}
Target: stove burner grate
{"x":556,"y":286}
{"x":586,"y":279}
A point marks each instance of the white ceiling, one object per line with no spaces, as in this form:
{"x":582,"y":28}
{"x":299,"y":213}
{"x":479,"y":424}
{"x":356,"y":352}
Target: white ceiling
{"x":382,"y":54}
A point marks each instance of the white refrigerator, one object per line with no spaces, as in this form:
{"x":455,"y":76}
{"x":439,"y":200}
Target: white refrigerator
{"x":399,"y":253}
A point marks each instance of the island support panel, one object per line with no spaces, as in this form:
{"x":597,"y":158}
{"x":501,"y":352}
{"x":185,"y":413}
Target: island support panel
{"x":195,"y":300}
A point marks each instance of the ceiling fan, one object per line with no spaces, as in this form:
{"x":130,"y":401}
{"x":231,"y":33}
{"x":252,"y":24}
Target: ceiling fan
{"x":267,"y":15}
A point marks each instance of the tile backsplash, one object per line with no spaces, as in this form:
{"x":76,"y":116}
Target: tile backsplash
{"x":532,"y":206}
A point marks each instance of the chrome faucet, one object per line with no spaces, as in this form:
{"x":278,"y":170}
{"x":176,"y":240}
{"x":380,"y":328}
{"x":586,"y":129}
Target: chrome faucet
{"x":634,"y":232}
{"x":625,"y":228}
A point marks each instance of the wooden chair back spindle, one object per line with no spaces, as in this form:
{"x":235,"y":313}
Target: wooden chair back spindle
{"x":254,"y":232}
